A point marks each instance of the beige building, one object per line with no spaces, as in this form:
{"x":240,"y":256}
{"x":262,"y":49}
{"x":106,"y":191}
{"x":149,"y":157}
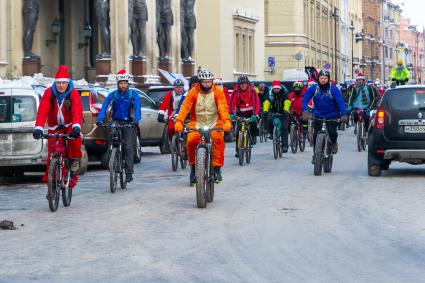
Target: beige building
{"x":229,"y":38}
{"x":307,"y":27}
{"x":356,"y":36}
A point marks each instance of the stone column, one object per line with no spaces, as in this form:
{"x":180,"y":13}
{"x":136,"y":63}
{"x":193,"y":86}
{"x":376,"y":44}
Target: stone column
{"x":119,"y":35}
{"x":16,"y":33}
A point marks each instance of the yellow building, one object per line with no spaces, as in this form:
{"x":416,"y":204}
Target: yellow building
{"x":305,"y":27}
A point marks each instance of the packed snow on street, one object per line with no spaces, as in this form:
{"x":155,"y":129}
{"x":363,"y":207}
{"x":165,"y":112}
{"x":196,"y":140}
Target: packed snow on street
{"x":271,"y":221}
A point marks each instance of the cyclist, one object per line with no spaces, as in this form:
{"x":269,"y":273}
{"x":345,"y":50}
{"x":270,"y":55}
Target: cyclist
{"x":328,"y":104}
{"x":219,"y":83}
{"x":364,"y":96}
{"x":123,"y":101}
{"x":278,"y":102}
{"x":169,"y":105}
{"x":400,"y":75}
{"x":61,"y":107}
{"x":263,"y":93}
{"x":245,"y":103}
{"x":296,"y":98}
{"x":207,"y":106}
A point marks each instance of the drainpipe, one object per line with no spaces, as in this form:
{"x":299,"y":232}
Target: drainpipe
{"x":9,"y":37}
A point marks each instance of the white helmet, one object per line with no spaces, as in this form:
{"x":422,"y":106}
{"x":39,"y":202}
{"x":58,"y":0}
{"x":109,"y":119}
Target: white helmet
{"x":205,"y":74}
{"x":122,"y":75}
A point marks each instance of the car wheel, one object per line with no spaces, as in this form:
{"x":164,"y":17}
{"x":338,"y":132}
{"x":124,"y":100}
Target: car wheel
{"x":138,"y":153}
{"x":374,"y":170}
{"x":164,"y":148}
{"x":84,"y":162}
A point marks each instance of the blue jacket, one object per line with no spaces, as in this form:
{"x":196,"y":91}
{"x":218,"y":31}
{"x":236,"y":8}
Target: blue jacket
{"x":121,"y":106}
{"x":328,"y":103}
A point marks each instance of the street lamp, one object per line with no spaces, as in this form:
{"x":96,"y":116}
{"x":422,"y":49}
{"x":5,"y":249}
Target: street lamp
{"x":412,"y":29}
{"x":336,"y":17}
{"x":56,"y":28}
{"x":87,"y":31}
{"x":351,"y":27}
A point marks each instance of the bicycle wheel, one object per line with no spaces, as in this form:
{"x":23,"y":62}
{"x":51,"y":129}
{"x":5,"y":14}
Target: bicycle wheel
{"x":241,"y":150}
{"x":54,"y":185}
{"x":293,"y":138}
{"x":66,"y":191}
{"x":276,"y":145}
{"x":327,"y":163}
{"x":265,"y":131}
{"x":302,"y":141}
{"x":319,"y":154}
{"x":359,"y":136}
{"x":248,"y":150}
{"x":310,"y":133}
{"x":364,"y":138}
{"x":123,"y":180}
{"x":174,"y":156}
{"x":260,"y":130}
{"x":183,"y":162}
{"x":113,"y":164}
{"x":201,"y":177}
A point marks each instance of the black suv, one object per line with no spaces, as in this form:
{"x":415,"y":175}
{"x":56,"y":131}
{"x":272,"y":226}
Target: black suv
{"x":397,"y":130}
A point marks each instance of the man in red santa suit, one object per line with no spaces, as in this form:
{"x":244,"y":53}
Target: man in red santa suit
{"x":61,"y":107}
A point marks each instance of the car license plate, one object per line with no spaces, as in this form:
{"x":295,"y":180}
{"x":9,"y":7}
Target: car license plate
{"x":414,"y":129}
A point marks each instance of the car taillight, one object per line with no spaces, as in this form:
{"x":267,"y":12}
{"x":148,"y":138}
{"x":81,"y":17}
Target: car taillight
{"x":380,"y":119}
{"x":99,"y":142}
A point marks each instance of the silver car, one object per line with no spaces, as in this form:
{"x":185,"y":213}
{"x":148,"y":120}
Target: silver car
{"x":19,"y":152}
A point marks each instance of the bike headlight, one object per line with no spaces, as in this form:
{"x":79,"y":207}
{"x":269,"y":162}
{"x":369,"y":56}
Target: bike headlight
{"x":205,"y":128}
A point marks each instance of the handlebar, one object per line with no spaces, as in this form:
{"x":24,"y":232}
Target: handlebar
{"x":202,"y":130}
{"x":56,"y":135}
{"x":111,"y":125}
{"x":326,"y":120}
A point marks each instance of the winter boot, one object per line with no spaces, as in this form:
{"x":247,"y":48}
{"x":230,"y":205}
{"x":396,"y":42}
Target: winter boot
{"x":217,"y":174}
{"x":128,"y":177}
{"x":334,"y":147}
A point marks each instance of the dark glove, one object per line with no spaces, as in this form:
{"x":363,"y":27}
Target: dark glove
{"x":75,"y":133}
{"x":344,"y":119}
{"x":306,"y":115}
{"x":99,"y":123}
{"x":37,"y":134}
{"x":161,"y":118}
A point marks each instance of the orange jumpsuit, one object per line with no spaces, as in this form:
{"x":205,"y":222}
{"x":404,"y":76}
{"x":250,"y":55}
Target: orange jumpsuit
{"x":206,"y":109}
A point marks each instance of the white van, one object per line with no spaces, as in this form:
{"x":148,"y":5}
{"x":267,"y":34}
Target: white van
{"x":294,"y":75}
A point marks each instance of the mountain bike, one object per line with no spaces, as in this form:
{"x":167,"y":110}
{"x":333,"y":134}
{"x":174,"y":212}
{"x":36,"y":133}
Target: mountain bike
{"x":297,"y":134}
{"x":204,"y":170}
{"x":60,"y":177}
{"x":176,"y":147}
{"x":361,"y":131}
{"x":323,"y":156}
{"x":244,"y":144}
{"x":277,"y":135}
{"x":262,"y":127}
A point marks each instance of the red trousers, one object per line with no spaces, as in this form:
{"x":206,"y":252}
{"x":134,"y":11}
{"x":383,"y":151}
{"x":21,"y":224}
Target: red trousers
{"x":217,"y":138}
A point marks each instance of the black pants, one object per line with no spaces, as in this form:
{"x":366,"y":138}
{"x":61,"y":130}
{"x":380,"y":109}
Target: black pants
{"x":332,"y":130}
{"x":284,"y":120}
{"x":129,"y":144}
{"x":366,"y":116}
{"x":253,"y":130}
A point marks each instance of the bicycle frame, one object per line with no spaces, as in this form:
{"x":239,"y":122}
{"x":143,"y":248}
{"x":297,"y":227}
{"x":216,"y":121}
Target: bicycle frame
{"x":244,"y":130}
{"x":59,"y":153}
{"x":324,"y":129}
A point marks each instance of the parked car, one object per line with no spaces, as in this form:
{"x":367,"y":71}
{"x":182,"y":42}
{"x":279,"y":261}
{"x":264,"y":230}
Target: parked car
{"x":19,"y":152}
{"x":149,"y":133}
{"x":397,"y":130}
{"x":157,"y":93}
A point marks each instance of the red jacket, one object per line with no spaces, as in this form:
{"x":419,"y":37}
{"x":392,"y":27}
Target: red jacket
{"x":296,"y":102}
{"x":69,"y":113}
{"x":227,"y":94}
{"x":245,"y":102}
{"x":170,"y":103}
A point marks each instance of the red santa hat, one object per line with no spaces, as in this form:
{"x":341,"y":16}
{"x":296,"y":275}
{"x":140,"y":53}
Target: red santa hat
{"x":62,"y":75}
{"x":276,"y":84}
{"x":360,"y":76}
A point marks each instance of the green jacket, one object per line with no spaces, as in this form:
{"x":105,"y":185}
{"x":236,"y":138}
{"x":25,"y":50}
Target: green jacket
{"x":399,"y":73}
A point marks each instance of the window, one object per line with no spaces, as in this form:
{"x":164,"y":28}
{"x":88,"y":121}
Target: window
{"x":391,"y":53}
{"x":244,"y":44}
{"x":145,"y":102}
{"x":385,"y":52}
{"x":5,"y":109}
{"x":23,"y":109}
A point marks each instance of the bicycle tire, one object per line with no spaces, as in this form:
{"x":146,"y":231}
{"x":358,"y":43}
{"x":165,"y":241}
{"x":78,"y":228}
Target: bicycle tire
{"x":359,"y":138}
{"x":364,"y":138}
{"x":265,"y":131}
{"x":174,"y":156}
{"x":113,"y":163}
{"x":327,"y":164}
{"x":201,"y":177}
{"x":183,"y":162}
{"x":248,"y":150}
{"x":241,"y":150}
{"x":319,"y":154}
{"x":293,"y":138}
{"x":276,"y":144}
{"x":302,"y":141}
{"x":53,"y":185}
{"x":66,"y":191}
{"x":260,"y":130}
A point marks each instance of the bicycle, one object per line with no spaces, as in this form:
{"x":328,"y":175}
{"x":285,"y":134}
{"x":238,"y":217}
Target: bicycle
{"x":116,"y":162}
{"x":176,"y":147}
{"x":361,"y":131}
{"x":297,"y":135}
{"x":204,"y":170}
{"x":277,"y":135}
{"x":323,"y":156}
{"x":244,"y":144}
{"x":60,"y":176}
{"x":262,"y":127}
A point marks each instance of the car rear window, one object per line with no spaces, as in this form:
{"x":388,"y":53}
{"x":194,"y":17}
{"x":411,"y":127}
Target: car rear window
{"x":407,"y":99}
{"x":158,"y":94}
{"x":17,"y":109}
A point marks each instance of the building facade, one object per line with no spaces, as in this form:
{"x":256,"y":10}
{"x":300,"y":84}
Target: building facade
{"x":310,"y":28}
{"x":356,"y":36}
{"x":227,"y":51}
{"x":372,"y":40}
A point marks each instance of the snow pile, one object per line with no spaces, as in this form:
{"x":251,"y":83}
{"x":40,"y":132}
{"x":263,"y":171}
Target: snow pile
{"x":28,"y":81}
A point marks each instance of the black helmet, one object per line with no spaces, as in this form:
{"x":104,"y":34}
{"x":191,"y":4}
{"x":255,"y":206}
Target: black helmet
{"x":325,"y":73}
{"x":243,"y":79}
{"x":178,"y":82}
